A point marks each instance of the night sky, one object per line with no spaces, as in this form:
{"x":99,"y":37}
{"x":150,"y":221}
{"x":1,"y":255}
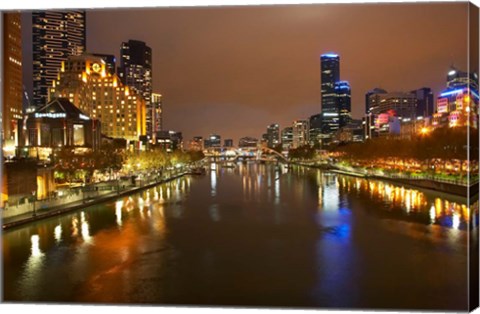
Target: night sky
{"x":234,"y":70}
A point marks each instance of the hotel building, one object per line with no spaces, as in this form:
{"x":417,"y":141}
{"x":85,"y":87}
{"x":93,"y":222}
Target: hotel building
{"x":85,"y":81}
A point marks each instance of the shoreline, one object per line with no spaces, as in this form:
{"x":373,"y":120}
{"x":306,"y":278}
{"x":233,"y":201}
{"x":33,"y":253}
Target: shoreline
{"x":84,"y":204}
{"x":435,"y":186}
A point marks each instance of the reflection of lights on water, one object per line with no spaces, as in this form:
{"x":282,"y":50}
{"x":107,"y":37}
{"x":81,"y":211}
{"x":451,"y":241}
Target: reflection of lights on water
{"x":455,"y":220}
{"x":214,"y":213}
{"x":57,"y":232}
{"x":35,"y":249}
{"x":74,"y":226}
{"x":213,"y":181}
{"x":320,"y":197}
{"x":213,"y":166}
{"x":331,"y":198}
{"x":433,"y":213}
{"x":118,"y":211}
{"x":141,"y":202}
{"x":85,"y":231}
{"x":277,"y":190}
{"x":155,"y":195}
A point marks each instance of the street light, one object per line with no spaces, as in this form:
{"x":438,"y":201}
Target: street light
{"x":424,"y":131}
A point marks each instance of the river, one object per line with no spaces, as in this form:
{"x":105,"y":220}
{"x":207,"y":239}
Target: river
{"x":254,"y":235}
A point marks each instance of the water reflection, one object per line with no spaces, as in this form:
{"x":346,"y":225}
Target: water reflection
{"x":85,"y":229}
{"x":57,"y":233}
{"x":118,"y":212}
{"x":392,"y":198}
{"x":312,"y":220}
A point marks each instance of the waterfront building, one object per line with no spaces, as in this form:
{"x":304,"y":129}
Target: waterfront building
{"x":273,"y":135}
{"x":213,"y":141}
{"x":59,"y":124}
{"x":136,"y":71}
{"x":24,"y":181}
{"x":169,"y":140}
{"x":287,"y":138}
{"x":404,"y":104}
{"x":352,"y":132}
{"x":228,"y":143}
{"x":196,"y":144}
{"x":371,"y":98}
{"x":110,"y":62}
{"x":457,"y":105}
{"x":84,"y":80}
{"x":12,"y":83}
{"x":300,"y":130}
{"x":247,"y":141}
{"x":56,"y":36}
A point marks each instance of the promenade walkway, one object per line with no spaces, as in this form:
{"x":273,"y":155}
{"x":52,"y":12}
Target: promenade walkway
{"x":42,"y":213}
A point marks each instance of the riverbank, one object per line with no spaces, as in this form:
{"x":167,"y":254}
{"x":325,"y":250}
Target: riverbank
{"x":15,"y":221}
{"x":438,"y":186}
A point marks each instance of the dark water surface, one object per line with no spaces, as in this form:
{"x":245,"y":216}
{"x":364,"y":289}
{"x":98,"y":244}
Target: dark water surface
{"x":254,"y":235}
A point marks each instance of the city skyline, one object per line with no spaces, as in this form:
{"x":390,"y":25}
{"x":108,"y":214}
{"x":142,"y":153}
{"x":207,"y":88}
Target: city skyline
{"x":199,"y":66}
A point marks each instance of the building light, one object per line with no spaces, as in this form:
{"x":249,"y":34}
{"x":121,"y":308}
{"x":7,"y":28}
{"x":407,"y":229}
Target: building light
{"x":330,"y":55}
{"x":453,"y":92}
{"x":50,"y":115}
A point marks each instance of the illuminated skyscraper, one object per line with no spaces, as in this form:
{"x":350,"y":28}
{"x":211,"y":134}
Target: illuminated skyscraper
{"x":85,"y":81}
{"x":273,"y":135}
{"x":330,"y":74}
{"x":156,"y":122}
{"x":56,"y":36}
{"x":457,"y":105}
{"x":136,"y":71}
{"x":300,"y":132}
{"x":344,"y":104}
{"x":12,"y":83}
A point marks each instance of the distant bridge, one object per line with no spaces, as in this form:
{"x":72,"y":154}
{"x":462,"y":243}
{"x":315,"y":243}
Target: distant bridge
{"x":251,"y":153}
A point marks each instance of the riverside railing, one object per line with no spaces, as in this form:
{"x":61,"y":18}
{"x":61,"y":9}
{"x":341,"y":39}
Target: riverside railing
{"x":85,"y":194}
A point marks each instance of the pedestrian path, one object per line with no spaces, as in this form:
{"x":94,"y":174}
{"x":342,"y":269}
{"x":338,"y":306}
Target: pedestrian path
{"x":43,"y":213}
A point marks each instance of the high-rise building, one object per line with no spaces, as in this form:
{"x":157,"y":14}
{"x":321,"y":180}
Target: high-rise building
{"x":402,"y":103}
{"x":156,"y":114}
{"x":213,"y":141}
{"x":315,"y":129}
{"x":371,"y":100}
{"x":342,"y":90}
{"x":330,"y":74}
{"x":56,"y":36}
{"x":12,"y":83}
{"x":300,"y":132}
{"x":273,"y":135}
{"x":169,"y":140}
{"x":457,"y":105}
{"x":247,"y":141}
{"x":136,"y":71}
{"x":228,"y":143}
{"x":110,"y":61}
{"x":287,"y":138}
{"x":85,"y":82}
{"x":425,"y":104}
